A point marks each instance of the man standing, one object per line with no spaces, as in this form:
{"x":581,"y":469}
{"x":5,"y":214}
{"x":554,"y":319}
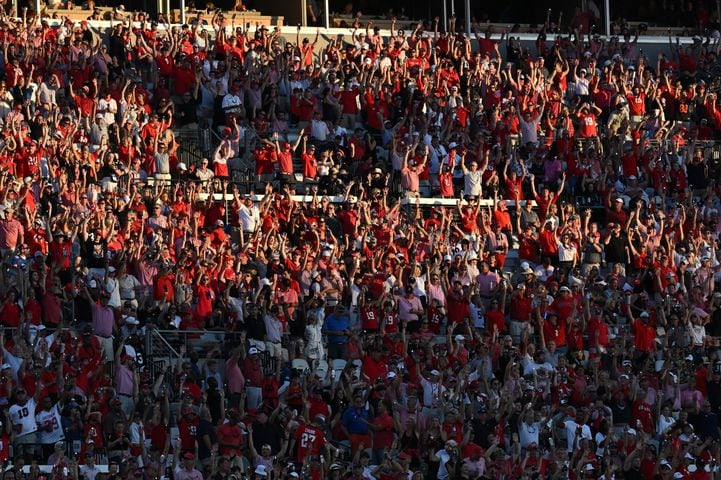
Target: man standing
{"x":50,"y":430}
{"x":309,"y":439}
{"x":273,"y":332}
{"x":22,"y":416}
{"x":12,"y":233}
{"x":337,"y":328}
{"x":447,"y":458}
{"x":355,"y":422}
{"x":248,"y":213}
{"x":125,"y":379}
{"x":187,"y":470}
{"x":188,"y":428}
{"x":230,"y":436}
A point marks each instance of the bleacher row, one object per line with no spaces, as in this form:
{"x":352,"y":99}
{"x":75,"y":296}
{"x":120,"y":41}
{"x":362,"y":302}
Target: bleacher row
{"x":338,"y":20}
{"x":108,"y":13}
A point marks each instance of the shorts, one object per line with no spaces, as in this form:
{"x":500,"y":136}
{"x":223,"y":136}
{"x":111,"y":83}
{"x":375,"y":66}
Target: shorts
{"x":356,"y":440}
{"x":275,"y":350}
{"x":27,"y":439}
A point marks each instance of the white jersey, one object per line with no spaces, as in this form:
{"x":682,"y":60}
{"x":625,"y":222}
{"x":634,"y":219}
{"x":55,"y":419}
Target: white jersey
{"x":24,"y":415}
{"x":52,"y":418}
{"x":89,"y":472}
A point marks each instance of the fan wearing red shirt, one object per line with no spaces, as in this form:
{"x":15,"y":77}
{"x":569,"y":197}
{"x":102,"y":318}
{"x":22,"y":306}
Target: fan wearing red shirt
{"x":310,"y":163}
{"x":548,"y":242}
{"x":369,"y":312}
{"x":644,"y":334}
{"x":436,"y":316}
{"x":184,"y":76}
{"x":230,"y":435}
{"x":85,"y":100}
{"x":564,"y":304}
{"x":452,"y":427}
{"x":188,"y":428}
{"x":495,"y":318}
{"x":374,"y":365}
{"x":597,"y":329}
{"x":13,"y":73}
{"x":553,"y":330}
{"x":636,"y":102}
{"x":348,"y":99}
{"x":306,"y":49}
{"x":587,"y":115}
{"x":285,"y":156}
{"x":445,"y":178}
{"x":309,"y":439}
{"x":642,"y":413}
{"x":11,"y":309}
{"x":383,"y":429}
{"x":458,"y":303}
{"x":546,"y":197}
{"x":264,"y":159}
{"x":206,"y":298}
{"x":165,"y":63}
{"x":390,"y":319}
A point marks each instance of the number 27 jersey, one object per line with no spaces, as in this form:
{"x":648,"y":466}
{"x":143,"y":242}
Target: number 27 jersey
{"x":309,"y":441}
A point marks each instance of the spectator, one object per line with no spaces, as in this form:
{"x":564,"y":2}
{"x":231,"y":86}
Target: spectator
{"x":472,"y":338}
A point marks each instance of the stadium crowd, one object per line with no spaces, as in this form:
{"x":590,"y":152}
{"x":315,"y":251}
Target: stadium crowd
{"x":557,"y":317}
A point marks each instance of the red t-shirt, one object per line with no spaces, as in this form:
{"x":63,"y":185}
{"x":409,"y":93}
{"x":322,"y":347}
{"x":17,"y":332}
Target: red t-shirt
{"x":383,"y":438}
{"x":556,"y":332}
{"x":188,"y":431}
{"x":644,"y":336}
{"x":230,"y":434}
{"x":349,"y":101}
{"x":310,"y":165}
{"x":373,"y":368}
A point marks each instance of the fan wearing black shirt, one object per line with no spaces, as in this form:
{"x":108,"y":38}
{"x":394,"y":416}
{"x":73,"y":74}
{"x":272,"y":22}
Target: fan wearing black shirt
{"x":483,"y":425}
{"x":713,"y":386}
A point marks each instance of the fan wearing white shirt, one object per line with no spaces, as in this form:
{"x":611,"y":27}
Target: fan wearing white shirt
{"x":529,"y":427}
{"x":248,"y":214}
{"x":89,"y":470}
{"x":446,"y":458}
{"x":50,"y":429}
{"x":22,"y":417}
{"x":576,"y":428}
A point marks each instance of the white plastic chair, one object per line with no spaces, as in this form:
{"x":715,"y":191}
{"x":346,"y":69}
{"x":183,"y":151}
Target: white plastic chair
{"x":300,"y":366}
{"x":338,"y":365}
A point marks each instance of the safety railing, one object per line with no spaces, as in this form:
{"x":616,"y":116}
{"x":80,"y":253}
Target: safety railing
{"x":72,"y":448}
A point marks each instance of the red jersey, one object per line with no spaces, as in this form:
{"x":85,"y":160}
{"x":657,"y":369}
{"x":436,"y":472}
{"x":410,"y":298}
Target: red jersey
{"x":642,"y":412}
{"x":435,"y":319}
{"x":188,"y":431}
{"x":309,"y":441}
{"x":369,"y":319}
{"x":390,"y":322}
{"x":588,"y":125}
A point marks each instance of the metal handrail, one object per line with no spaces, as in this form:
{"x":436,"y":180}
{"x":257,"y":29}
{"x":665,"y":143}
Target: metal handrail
{"x":157,"y":334}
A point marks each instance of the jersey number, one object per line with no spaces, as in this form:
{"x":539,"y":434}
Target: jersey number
{"x":307,"y":439}
{"x":23,"y":412}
